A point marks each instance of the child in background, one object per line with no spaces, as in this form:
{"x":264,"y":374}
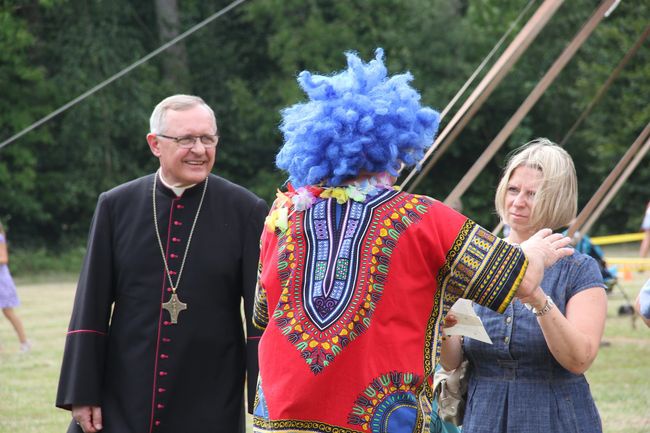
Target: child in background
{"x":8,"y":296}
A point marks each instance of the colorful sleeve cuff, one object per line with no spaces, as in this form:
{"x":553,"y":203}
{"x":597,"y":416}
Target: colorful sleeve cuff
{"x":483,"y":268}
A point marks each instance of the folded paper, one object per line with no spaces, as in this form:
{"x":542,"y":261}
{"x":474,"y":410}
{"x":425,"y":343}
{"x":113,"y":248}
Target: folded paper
{"x":468,"y":323}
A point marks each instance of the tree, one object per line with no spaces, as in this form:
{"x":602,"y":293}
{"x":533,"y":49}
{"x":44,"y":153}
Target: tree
{"x":24,"y":99}
{"x":175,"y":59}
{"x":244,"y":65}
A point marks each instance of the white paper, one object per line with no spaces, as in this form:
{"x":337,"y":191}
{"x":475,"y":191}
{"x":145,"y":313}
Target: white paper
{"x":468,"y":323}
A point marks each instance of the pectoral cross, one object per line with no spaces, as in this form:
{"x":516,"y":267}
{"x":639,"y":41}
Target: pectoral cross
{"x":174,"y":306}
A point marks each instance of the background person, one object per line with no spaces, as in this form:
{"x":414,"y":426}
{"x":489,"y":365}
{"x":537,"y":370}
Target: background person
{"x":645,"y":227}
{"x":355,"y":275}
{"x":582,"y":243}
{"x":531,"y":378}
{"x":642,"y":304}
{"x":8,"y":295}
{"x":155,"y":342}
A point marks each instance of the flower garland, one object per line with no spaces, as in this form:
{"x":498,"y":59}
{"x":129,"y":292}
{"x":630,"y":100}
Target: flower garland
{"x":303,"y":198}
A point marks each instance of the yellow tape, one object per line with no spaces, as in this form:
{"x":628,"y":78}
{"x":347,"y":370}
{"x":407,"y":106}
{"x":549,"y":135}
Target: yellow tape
{"x":617,"y":239}
{"x":627,"y":261}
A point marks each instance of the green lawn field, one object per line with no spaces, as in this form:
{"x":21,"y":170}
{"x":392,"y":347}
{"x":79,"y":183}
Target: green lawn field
{"x":620,"y":377}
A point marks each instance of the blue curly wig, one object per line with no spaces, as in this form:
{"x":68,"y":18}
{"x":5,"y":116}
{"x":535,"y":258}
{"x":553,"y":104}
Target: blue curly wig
{"x":355,"y":121}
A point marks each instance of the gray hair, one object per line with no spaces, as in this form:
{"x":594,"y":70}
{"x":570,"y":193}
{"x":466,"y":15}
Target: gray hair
{"x":556,"y":201}
{"x":176,"y":103}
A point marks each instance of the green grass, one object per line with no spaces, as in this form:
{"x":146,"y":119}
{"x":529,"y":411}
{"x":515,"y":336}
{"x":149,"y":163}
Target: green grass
{"x":620,"y":376}
{"x":28,"y":381}
{"x":39,"y":265}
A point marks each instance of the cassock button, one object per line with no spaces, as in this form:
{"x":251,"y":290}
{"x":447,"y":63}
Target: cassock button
{"x":173,"y":272}
{"x":162,"y":373}
{"x":160,"y":406}
{"x":176,"y":239}
{"x":157,"y":423}
{"x":167,"y":323}
{"x":179,"y":206}
{"x":163,"y":356}
{"x":169,"y":289}
{"x":161,"y":390}
{"x":166,"y":340}
{"x":178,"y":223}
{"x":173,"y":256}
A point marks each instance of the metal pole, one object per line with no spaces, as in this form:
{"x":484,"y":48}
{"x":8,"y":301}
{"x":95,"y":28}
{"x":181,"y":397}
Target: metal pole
{"x":615,"y":73}
{"x":611,"y":185}
{"x":491,"y":80}
{"x":531,"y":100}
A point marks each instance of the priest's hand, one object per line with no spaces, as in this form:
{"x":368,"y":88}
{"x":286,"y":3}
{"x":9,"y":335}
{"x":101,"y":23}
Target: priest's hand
{"x":542,"y":250}
{"x":89,"y":418}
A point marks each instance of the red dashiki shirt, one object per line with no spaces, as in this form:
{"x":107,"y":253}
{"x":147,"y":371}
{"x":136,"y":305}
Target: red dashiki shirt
{"x":351,"y":295}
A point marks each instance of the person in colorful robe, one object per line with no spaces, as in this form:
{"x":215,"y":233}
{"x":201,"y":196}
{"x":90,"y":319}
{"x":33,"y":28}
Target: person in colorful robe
{"x":355,"y":275}
{"x":156,"y":342}
{"x":531,"y":379}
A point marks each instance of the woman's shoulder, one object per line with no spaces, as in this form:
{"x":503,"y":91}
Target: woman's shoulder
{"x":577,"y":259}
{"x":576,"y":273}
{"x":577,"y":265}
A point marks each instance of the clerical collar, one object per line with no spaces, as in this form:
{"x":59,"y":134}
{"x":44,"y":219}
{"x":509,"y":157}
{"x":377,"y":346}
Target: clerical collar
{"x":178,"y":190}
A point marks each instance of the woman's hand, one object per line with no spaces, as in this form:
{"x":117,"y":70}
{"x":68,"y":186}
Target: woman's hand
{"x":537,"y":299}
{"x":542,"y":250}
{"x":450,"y":320}
{"x":451,"y":351}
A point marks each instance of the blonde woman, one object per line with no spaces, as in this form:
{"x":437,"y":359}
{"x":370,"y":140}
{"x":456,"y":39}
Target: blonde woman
{"x":8,"y":296}
{"x":531,"y":379}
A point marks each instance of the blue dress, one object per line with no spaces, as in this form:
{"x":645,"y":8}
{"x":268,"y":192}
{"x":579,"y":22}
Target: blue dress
{"x":8,"y":296}
{"x":516,"y":386}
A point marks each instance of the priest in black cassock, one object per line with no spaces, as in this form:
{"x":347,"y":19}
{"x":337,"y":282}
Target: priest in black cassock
{"x":156,"y":341}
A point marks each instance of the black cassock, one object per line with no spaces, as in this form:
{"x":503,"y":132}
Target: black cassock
{"x":122,"y":353}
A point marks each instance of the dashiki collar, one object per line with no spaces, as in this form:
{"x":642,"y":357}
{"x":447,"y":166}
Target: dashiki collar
{"x":301,"y":199}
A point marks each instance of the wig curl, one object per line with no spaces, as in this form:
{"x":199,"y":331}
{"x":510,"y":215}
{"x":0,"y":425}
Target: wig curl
{"x":357,"y":120}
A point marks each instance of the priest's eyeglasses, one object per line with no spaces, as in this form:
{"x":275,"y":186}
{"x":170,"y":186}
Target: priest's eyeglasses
{"x":188,"y":141}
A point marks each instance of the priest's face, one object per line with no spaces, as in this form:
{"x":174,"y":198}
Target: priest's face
{"x":184,"y":166}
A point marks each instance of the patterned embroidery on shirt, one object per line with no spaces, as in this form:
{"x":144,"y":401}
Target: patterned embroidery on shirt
{"x":479,"y":266}
{"x":296,"y":426}
{"x":389,"y":404}
{"x":482,"y":267}
{"x":346,"y":251}
{"x":260,"y":307}
{"x":260,"y":408}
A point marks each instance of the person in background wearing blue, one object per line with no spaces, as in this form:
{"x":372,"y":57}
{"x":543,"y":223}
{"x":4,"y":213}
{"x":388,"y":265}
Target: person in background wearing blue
{"x":531,"y":379}
{"x":584,"y":244}
{"x":440,"y":426}
{"x":643,"y":303}
{"x":8,"y":296}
